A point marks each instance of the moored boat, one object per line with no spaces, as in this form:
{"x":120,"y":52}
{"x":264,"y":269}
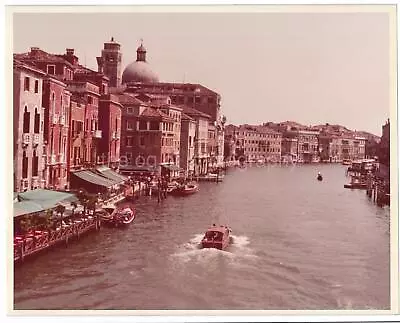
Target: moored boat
{"x":319,"y":177}
{"x":186,"y":189}
{"x":346,"y":162}
{"x":217,"y":237}
{"x":211,"y":178}
{"x":120,"y":216}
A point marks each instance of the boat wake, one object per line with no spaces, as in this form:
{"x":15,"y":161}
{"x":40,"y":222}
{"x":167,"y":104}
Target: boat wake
{"x":193,"y":251}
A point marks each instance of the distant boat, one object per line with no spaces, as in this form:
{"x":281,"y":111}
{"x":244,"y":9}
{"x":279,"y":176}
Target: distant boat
{"x":319,"y":177}
{"x":346,"y":162}
{"x":184,"y":190}
{"x":216,"y":237}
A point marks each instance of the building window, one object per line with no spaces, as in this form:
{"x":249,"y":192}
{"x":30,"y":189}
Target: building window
{"x":35,"y":164}
{"x":27,"y":117}
{"x":129,"y":141}
{"x":26,"y":84}
{"x":141,"y":141}
{"x":129,"y":125}
{"x":51,"y":69}
{"x":53,"y":98}
{"x":90,"y":99}
{"x":142,"y":125}
{"x":36,"y":86}
{"x":154,"y":125}
{"x":36,"y":128}
{"x":129,"y":110}
{"x":24,"y":165}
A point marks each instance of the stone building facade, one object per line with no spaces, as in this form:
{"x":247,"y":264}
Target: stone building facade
{"x":258,"y":144}
{"x":201,"y":155}
{"x":307,"y":146}
{"x":28,"y":124}
{"x":187,"y":152}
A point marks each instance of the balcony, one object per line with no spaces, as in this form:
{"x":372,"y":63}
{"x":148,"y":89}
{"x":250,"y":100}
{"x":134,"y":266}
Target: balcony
{"x":55,"y":119}
{"x":26,"y":138}
{"x":96,"y":133}
{"x":61,"y":159}
{"x":76,"y":134}
{"x":36,"y":138}
{"x":51,"y":159}
{"x":62,"y":120}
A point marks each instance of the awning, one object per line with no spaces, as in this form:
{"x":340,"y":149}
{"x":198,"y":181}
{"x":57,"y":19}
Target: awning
{"x":40,"y":200}
{"x":171,"y":167}
{"x":130,"y":168}
{"x":26,"y":207}
{"x":93,"y":178}
{"x":111,"y":175}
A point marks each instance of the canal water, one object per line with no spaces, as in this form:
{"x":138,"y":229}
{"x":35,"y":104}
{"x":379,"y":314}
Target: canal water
{"x":297,"y":244}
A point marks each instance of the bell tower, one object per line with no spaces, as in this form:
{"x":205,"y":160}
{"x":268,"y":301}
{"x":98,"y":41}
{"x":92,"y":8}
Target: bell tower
{"x":110,"y":62}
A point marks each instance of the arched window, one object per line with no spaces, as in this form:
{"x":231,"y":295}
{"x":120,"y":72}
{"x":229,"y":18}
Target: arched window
{"x":26,"y":120}
{"x":24,"y":165}
{"x":36,"y":128}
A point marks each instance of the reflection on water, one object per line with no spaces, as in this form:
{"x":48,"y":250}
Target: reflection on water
{"x":296,"y":244}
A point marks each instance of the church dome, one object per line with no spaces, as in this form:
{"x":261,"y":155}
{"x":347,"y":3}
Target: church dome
{"x":140,"y":70}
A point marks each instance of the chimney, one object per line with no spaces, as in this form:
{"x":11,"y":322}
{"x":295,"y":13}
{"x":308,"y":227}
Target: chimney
{"x":35,"y":50}
{"x":100,"y":63}
{"x":70,"y":51}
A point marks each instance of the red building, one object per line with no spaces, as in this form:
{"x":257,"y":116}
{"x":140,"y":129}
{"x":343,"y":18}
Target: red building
{"x":76,"y":137}
{"x":89,"y":94}
{"x":56,"y":101}
{"x":147,"y":135}
{"x":110,"y":123}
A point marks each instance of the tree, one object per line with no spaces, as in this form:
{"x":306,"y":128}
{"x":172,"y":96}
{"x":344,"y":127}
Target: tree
{"x":60,"y":209}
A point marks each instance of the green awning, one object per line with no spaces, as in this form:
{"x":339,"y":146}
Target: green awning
{"x":26,"y":207}
{"x":93,"y":178}
{"x":40,"y":200}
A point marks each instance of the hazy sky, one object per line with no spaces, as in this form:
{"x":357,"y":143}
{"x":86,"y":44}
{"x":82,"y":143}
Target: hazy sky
{"x":307,"y":67}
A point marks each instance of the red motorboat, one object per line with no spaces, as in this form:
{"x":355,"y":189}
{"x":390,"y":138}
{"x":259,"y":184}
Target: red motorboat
{"x":118,"y":216}
{"x":217,"y":237}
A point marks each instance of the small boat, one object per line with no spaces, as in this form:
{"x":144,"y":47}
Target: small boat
{"x":186,"y":189}
{"x":172,"y":186}
{"x":319,"y":177}
{"x":360,"y":186}
{"x":212,"y":177}
{"x":117,"y":216}
{"x":346,"y":162}
{"x":216,"y":237}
